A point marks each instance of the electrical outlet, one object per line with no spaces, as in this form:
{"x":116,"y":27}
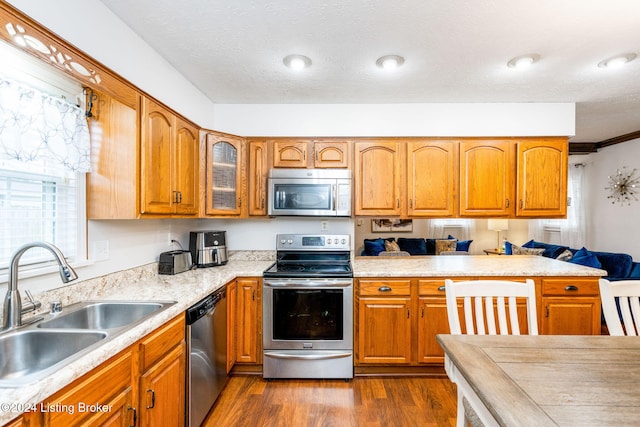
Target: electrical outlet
{"x":324,"y":225}
{"x":101,"y":250}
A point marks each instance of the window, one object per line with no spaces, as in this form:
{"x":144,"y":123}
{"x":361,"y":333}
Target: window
{"x":44,"y":153}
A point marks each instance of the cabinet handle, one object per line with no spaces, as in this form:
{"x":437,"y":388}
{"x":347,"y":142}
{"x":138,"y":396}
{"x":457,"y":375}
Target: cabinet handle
{"x":508,"y":202}
{"x":398,"y":203}
{"x":441,"y":288}
{"x":411,"y":203}
{"x":571,"y":288}
{"x":135,"y":416}
{"x":521,"y":203}
{"x":240,"y":202}
{"x":179,"y":196}
{"x":422,"y":312}
{"x":153,"y":399}
{"x":253,"y":295}
{"x":262,"y":203}
{"x":546,"y":311}
{"x":175,"y":197}
{"x":408,"y":314}
{"x":385,"y":289}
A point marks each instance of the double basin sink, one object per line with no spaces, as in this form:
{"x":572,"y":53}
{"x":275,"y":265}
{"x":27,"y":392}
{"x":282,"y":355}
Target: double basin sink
{"x":33,"y":352}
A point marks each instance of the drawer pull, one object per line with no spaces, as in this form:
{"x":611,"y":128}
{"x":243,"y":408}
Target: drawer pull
{"x":385,"y":289}
{"x":153,"y":399}
{"x":571,"y":288}
{"x":441,"y":288}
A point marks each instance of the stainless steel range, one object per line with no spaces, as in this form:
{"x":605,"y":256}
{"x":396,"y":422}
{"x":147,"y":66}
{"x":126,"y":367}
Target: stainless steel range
{"x":308,"y":308}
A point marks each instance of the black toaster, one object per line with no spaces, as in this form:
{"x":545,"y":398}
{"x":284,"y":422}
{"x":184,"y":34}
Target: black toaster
{"x":174,"y":262}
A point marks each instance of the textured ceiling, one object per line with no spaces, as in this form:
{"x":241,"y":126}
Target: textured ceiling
{"x":454,"y":50}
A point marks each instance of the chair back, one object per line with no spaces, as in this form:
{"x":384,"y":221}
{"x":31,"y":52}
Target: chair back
{"x":621,"y":300}
{"x":483,"y":299}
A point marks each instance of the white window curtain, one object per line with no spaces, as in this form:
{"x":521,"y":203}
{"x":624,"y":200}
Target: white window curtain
{"x":36,"y":127}
{"x":44,"y":151}
{"x":459,"y":228}
{"x":572,"y":230}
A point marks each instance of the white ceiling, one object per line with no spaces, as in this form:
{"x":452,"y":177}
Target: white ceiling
{"x":454,"y":50}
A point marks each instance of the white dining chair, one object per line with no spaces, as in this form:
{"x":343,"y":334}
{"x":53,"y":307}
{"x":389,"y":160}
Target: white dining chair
{"x":627,"y":295}
{"x":481,"y":301}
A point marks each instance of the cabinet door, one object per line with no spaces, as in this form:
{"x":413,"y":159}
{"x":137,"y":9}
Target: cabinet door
{"x":487,"y":170}
{"x":542,"y":178}
{"x":162,"y":392}
{"x":571,"y":316}
{"x":384,"y":330}
{"x":331,"y":154}
{"x":224,"y":175}
{"x":249,"y":321}
{"x":290,"y":154}
{"x":378,"y":178}
{"x":432,"y":320}
{"x":258,"y":169}
{"x":186,"y":168}
{"x":156,"y":160}
{"x":432,"y":184}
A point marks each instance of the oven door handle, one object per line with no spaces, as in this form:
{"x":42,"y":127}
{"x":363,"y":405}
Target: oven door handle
{"x":289,"y":356}
{"x":307,"y":283}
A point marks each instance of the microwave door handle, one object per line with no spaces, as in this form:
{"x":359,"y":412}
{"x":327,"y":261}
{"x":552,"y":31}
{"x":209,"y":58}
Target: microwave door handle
{"x":334,"y":194}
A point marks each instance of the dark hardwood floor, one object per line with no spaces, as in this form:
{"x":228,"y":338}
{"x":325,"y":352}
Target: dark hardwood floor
{"x":248,"y":400}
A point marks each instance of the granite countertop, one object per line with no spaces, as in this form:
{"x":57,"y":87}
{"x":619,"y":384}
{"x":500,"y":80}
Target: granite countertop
{"x":468,"y":265}
{"x":142,"y":283}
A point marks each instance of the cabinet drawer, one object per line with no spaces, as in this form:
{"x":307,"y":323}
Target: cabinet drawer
{"x":431,"y":287}
{"x":157,"y":344}
{"x":568,"y":287}
{"x":385,"y":287}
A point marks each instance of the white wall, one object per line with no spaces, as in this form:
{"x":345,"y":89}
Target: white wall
{"x":612,"y":228}
{"x":478,"y":119}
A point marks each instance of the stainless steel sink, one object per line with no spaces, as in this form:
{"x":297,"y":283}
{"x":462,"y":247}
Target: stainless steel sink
{"x":28,"y":355}
{"x":102,"y":315}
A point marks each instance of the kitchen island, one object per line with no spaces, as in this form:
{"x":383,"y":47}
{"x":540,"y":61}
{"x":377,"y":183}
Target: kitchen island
{"x":400,"y":304}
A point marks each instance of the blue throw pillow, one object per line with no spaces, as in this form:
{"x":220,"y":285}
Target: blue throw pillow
{"x":372,"y":247}
{"x":586,"y":258}
{"x":413,"y":246}
{"x":461,"y":245}
{"x":508,"y":250}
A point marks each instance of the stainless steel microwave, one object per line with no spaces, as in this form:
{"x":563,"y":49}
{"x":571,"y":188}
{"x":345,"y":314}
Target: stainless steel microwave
{"x":309,"y":192}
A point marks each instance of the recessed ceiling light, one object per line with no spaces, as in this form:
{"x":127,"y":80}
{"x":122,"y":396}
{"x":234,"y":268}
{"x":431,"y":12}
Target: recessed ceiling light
{"x":297,"y":62}
{"x":617,"y":61}
{"x":523,"y":61}
{"x":390,"y":62}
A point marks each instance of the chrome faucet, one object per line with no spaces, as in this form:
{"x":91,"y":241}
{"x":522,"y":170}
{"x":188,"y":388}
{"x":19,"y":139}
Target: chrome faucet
{"x":12,"y":315}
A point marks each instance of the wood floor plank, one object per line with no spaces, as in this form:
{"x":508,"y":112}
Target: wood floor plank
{"x":248,"y":400}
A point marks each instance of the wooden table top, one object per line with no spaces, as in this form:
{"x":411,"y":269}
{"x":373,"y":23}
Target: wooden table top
{"x":551,"y":380}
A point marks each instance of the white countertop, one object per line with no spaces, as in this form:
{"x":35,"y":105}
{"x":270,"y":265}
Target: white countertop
{"x":141,"y":283}
{"x":468,"y":265}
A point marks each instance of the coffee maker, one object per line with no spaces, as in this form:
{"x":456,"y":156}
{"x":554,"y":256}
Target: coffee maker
{"x":208,"y":248}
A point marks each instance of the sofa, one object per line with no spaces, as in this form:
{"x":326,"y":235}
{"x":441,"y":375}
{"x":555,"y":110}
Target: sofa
{"x":415,"y":246}
{"x":619,"y":266}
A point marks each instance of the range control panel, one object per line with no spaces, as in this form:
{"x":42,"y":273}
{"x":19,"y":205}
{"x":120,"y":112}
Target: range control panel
{"x":313,"y":242}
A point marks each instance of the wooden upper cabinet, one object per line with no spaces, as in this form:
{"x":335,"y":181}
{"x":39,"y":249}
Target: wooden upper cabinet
{"x":432,"y":181}
{"x":186,"y":167}
{"x":290,"y":154}
{"x":257,"y":177}
{"x":331,"y":154}
{"x":378,"y":177}
{"x":306,"y":153}
{"x":112,"y":183}
{"x":224,"y":180}
{"x":487,"y":178}
{"x":542,"y":178}
{"x":169,"y":162}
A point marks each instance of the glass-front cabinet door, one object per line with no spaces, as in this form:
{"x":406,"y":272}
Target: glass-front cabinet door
{"x":224,"y":175}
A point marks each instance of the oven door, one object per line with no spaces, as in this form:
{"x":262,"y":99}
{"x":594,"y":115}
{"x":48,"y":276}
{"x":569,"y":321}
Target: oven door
{"x":308,"y":197}
{"x":308,"y":314}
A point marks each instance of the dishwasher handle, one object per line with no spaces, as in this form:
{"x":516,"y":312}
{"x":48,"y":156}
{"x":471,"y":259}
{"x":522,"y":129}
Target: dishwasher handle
{"x":205,"y":306}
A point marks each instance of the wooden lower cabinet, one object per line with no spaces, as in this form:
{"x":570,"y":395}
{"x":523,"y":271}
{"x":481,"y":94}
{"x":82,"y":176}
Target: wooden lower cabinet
{"x":249,"y":320}
{"x":397,"y":319}
{"x":143,"y":385}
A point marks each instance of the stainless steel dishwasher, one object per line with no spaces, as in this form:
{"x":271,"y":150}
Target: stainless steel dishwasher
{"x":207,"y":368}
